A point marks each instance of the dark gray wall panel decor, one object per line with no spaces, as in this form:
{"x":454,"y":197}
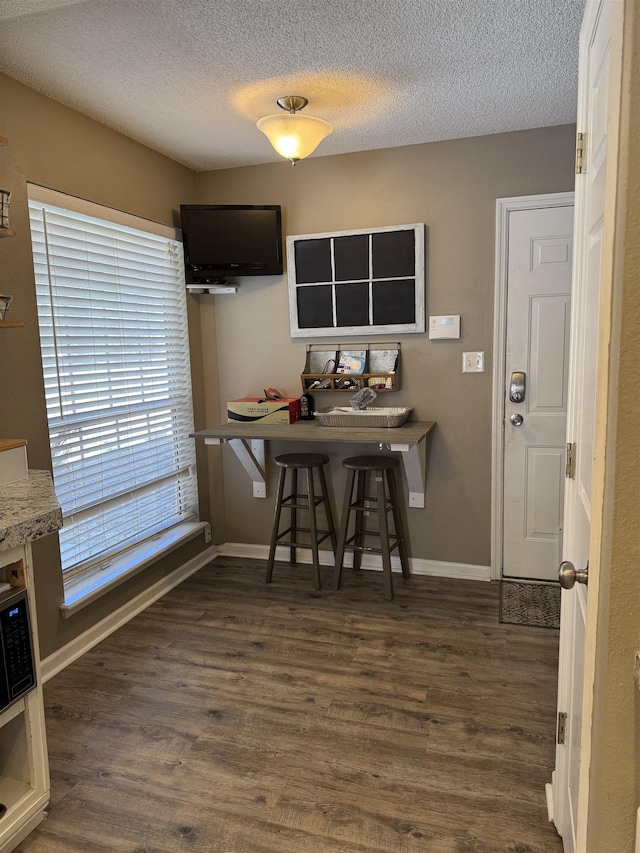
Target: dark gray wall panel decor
{"x":357,"y":282}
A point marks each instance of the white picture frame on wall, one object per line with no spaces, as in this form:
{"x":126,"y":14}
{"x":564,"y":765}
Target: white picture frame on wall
{"x":360,"y":282}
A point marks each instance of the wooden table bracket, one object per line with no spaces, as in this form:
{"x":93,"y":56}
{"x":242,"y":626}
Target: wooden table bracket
{"x":251,"y":454}
{"x":415,"y":470}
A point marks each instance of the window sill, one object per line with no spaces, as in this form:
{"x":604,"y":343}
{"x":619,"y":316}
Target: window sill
{"x":87,"y":588}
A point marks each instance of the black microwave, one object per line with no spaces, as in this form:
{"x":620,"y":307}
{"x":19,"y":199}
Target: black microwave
{"x":17,"y":669}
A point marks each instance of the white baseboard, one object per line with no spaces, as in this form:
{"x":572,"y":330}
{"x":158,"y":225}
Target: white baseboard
{"x":433,"y":568}
{"x":548,"y":790}
{"x":62,"y":657}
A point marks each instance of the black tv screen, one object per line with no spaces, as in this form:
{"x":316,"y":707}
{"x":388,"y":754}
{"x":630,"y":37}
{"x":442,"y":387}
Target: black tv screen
{"x":231,"y":239}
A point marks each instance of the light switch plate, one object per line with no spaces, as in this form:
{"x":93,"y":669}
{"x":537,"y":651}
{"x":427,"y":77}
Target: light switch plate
{"x":473,"y":362}
{"x":444,"y":326}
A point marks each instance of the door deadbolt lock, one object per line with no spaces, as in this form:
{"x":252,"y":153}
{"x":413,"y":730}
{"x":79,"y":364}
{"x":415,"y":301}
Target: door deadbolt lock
{"x":517,"y":389}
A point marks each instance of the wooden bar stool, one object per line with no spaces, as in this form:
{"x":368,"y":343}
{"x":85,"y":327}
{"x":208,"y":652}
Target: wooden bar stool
{"x":295,"y":502}
{"x":385,"y":500}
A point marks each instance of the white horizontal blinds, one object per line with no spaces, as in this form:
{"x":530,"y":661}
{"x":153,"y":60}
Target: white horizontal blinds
{"x":113,"y":329}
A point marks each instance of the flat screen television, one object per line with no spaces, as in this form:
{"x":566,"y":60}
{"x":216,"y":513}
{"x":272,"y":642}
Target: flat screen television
{"x":222,"y":240}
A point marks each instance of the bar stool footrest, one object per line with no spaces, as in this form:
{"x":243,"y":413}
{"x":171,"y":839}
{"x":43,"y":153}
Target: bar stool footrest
{"x":281,"y":541}
{"x":290,"y":544}
{"x":369,"y":549}
{"x":287,"y":502}
{"x":361,"y":506}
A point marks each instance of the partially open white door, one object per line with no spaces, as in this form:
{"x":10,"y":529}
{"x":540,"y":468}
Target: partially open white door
{"x":599,"y":96}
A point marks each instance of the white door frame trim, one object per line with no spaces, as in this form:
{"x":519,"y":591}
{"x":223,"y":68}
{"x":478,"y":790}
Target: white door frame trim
{"x":504,"y":206}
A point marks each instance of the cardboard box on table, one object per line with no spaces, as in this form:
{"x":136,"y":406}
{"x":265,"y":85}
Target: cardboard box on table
{"x":250,"y":410}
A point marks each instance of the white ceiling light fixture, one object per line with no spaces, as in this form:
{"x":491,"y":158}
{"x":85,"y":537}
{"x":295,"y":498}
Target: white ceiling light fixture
{"x":293,"y":135}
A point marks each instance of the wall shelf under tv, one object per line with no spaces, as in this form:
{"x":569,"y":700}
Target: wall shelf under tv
{"x":211,"y":288}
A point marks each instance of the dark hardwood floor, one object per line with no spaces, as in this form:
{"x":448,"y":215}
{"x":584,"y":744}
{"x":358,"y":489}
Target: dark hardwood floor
{"x":238,"y":717}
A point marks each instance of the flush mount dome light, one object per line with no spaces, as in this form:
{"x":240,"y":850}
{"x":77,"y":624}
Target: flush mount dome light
{"x":293,"y":135}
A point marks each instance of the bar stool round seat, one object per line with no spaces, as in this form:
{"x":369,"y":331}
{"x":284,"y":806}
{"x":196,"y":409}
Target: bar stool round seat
{"x":301,"y":460}
{"x":379,"y":472}
{"x":297,"y":502}
{"x":371,"y":463}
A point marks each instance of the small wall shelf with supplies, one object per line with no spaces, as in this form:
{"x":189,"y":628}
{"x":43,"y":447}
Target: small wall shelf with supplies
{"x":5,"y":231}
{"x":351,"y":367}
{"x":5,"y":301}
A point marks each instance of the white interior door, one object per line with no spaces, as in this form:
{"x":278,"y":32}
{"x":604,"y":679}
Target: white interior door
{"x":591,"y":186}
{"x":536,"y":349}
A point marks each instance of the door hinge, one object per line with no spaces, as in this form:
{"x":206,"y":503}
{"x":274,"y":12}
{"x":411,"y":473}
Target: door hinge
{"x":570,"y":469}
{"x":562,"y":727}
{"x":580,"y":154}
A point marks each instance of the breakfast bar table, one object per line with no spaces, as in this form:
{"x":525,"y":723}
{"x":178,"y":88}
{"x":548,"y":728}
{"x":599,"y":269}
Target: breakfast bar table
{"x":248,"y":443}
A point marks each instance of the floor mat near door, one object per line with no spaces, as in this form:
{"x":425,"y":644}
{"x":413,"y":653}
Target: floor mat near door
{"x":530,"y":603}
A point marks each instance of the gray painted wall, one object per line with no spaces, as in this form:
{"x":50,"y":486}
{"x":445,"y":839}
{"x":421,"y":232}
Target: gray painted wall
{"x":59,"y":148}
{"x":240,"y":344}
{"x":450,"y":186}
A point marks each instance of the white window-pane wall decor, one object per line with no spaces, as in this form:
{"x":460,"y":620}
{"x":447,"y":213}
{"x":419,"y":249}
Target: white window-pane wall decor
{"x":115,"y":353}
{"x":357,"y":282}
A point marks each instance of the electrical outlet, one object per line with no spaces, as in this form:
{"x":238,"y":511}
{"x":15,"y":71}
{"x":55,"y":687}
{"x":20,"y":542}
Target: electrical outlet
{"x":207,"y":533}
{"x":473,"y":362}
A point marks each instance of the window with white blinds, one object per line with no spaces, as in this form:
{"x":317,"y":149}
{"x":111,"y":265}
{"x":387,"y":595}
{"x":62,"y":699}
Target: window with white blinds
{"x":115,"y":353}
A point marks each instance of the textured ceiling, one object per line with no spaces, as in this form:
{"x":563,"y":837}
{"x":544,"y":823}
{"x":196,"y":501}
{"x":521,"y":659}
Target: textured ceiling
{"x":190,"y":78}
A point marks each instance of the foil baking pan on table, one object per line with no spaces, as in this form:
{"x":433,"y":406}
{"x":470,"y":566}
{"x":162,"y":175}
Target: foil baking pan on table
{"x":372,"y":416}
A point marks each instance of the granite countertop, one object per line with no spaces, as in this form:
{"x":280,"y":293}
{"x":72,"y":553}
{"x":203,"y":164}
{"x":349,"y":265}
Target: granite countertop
{"x":29,"y":509}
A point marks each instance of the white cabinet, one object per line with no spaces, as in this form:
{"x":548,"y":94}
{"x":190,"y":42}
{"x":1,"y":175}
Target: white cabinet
{"x":24,"y":765}
{"x":28,"y":510}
